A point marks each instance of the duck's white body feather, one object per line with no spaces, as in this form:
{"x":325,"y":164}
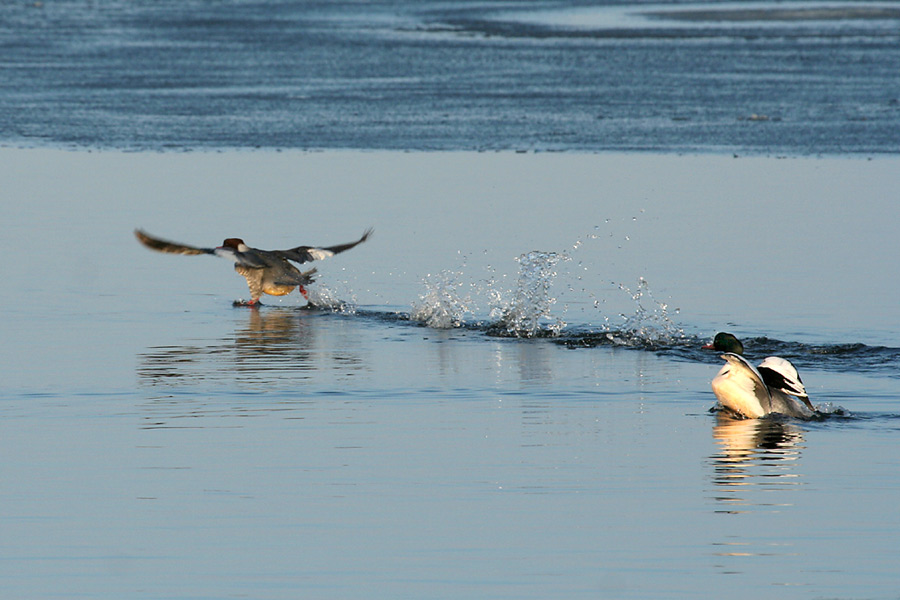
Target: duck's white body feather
{"x":741,"y":389}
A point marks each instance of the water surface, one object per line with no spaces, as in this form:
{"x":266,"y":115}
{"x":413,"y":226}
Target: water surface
{"x":504,"y":395}
{"x":160,"y":443}
{"x":799,"y":78}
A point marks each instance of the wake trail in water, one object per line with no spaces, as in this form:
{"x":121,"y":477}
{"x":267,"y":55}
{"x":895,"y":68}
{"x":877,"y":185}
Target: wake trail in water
{"x":524,"y":314}
{"x":451,"y":300}
{"x":856,"y":357}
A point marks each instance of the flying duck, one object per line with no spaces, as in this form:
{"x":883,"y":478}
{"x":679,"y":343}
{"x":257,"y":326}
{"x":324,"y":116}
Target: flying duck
{"x":266,"y":271}
{"x":772,"y":387}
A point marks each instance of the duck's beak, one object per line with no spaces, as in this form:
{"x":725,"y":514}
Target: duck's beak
{"x":709,"y":347}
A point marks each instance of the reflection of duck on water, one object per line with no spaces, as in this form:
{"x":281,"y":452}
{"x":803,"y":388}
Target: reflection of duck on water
{"x":748,"y":392}
{"x":753,"y":453}
{"x":744,"y":440}
{"x":270,"y":343}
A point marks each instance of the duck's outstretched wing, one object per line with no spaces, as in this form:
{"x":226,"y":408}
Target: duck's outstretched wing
{"x":741,"y":374}
{"x":305,"y":254}
{"x":780,"y":374}
{"x":169,"y":247}
{"x":301,"y":278}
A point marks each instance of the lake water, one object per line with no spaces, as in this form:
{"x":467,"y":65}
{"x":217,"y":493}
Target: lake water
{"x":505,"y":394}
{"x":160,"y":443}
{"x":441,"y":75}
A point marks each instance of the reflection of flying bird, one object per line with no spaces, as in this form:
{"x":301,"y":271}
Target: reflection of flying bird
{"x":266,"y":271}
{"x":772,"y":387}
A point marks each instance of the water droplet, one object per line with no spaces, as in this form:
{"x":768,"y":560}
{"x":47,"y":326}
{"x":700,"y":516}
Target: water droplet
{"x":526,"y":314}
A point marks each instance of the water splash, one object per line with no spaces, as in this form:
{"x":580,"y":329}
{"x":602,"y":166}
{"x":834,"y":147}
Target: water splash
{"x":827,"y":409}
{"x":326,"y":298}
{"x":445,"y":303}
{"x":649,"y":326}
{"x":527,"y":314}
{"x":650,"y":323}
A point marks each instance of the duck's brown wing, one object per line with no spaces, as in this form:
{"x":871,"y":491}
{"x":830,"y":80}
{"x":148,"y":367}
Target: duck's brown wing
{"x":169,"y":247}
{"x":299,"y":278}
{"x":305,"y":254}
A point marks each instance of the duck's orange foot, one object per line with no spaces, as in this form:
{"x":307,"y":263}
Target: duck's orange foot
{"x":249,"y":303}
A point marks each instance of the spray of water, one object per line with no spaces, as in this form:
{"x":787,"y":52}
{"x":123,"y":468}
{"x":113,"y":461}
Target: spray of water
{"x":649,"y":324}
{"x":527,"y":314}
{"x":326,"y":298}
{"x":448,"y":301}
{"x":445,"y":302}
{"x":525,"y":310}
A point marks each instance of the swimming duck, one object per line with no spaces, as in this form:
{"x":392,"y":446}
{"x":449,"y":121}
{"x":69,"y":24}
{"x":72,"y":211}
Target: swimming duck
{"x":266,"y":271}
{"x":772,"y":387}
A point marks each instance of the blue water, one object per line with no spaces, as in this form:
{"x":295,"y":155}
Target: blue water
{"x":503,"y":393}
{"x":433,"y":75}
{"x":548,"y":434}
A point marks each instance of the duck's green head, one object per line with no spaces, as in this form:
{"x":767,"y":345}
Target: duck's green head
{"x":725,"y":342}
